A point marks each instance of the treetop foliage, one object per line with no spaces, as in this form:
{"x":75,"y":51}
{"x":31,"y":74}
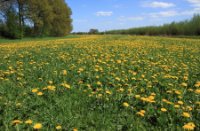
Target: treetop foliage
{"x":34,"y":18}
{"x":187,"y":27}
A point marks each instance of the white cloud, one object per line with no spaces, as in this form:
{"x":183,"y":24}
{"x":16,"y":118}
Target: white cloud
{"x":157,"y":4}
{"x":163,"y":14}
{"x":133,"y":18}
{"x":104,"y":13}
{"x":194,"y":2}
{"x":173,"y":13}
{"x":190,"y":12}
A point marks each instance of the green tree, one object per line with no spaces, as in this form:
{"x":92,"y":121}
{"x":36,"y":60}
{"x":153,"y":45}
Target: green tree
{"x":37,"y":17}
{"x":12,"y":27}
{"x":62,"y":22}
{"x":40,"y":14}
{"x":93,"y":31}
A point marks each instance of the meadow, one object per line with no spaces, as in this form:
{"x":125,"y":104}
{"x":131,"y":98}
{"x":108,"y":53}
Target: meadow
{"x":103,"y":83}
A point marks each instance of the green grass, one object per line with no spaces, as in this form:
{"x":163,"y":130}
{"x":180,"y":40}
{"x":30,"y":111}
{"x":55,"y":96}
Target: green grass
{"x":3,"y":40}
{"x":103,"y":73}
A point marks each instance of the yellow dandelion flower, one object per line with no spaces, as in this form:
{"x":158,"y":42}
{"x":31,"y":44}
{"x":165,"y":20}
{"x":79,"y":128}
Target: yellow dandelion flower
{"x":99,"y":95}
{"x":39,"y":93}
{"x":75,"y":129}
{"x":99,"y":83}
{"x":58,"y":127}
{"x":163,"y":109}
{"x":176,"y":106}
{"x":108,"y":92}
{"x":28,"y":121}
{"x":180,"y":102}
{"x":15,"y":122}
{"x":197,"y":84}
{"x":184,"y":84}
{"x":189,"y":126}
{"x":186,"y":114}
{"x":142,"y":111}
{"x":50,"y":82}
{"x":197,"y":91}
{"x":125,"y":104}
{"x":177,"y":92}
{"x":64,"y":72}
{"x":37,"y":126}
{"x":35,"y":90}
{"x":140,"y":114}
{"x":51,"y":88}
{"x":137,"y":96}
{"x":119,"y":61}
{"x":66,"y":86}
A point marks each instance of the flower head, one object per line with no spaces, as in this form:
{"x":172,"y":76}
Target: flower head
{"x":28,"y":121}
{"x":125,"y":104}
{"x":37,"y":126}
{"x":58,"y":127}
{"x":185,"y":114}
{"x":163,"y":109}
{"x":189,"y":126}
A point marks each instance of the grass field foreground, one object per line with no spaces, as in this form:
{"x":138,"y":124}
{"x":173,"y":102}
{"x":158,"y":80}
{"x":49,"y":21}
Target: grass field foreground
{"x":100,"y":83}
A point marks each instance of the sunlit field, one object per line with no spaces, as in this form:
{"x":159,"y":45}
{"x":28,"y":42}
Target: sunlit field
{"x":103,"y":83}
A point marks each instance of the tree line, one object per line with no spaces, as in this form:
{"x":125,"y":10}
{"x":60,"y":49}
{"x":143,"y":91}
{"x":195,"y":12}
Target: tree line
{"x":187,"y":27}
{"x":21,"y":18}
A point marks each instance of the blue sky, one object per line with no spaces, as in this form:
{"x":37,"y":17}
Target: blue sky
{"x":122,"y":14}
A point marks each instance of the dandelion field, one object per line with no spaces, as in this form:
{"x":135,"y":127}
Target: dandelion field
{"x":103,"y":83}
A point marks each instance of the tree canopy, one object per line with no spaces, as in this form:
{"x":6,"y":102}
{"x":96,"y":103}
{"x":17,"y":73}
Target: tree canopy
{"x":187,"y":27}
{"x":19,"y":18}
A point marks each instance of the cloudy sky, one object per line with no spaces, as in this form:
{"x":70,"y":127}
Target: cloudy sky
{"x":122,"y":14}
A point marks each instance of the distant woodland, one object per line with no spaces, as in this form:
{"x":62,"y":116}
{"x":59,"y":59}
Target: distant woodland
{"x":188,"y":27}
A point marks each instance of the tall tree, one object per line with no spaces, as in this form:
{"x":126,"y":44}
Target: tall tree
{"x":44,"y":17}
{"x":20,"y":5}
{"x":40,"y":14}
{"x":61,"y":23}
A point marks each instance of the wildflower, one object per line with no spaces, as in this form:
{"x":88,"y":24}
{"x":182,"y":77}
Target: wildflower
{"x":142,"y":76}
{"x":141,"y":113}
{"x":184,"y":84}
{"x":180,"y":102}
{"x":35,"y":90}
{"x":189,"y":108}
{"x":99,"y":83}
{"x":66,"y":86}
{"x":99,"y":95}
{"x":177,"y":92}
{"x":75,"y":129}
{"x":37,"y":126}
{"x":28,"y":121}
{"x":119,"y":61}
{"x":39,"y":93}
{"x":177,"y":106}
{"x":120,"y":90}
{"x":108,"y":92}
{"x":80,"y":69}
{"x":15,"y":122}
{"x":125,"y":104}
{"x":163,"y":109}
{"x":58,"y":127}
{"x":51,"y":88}
{"x":137,"y":96}
{"x":197,"y":91}
{"x":64,"y":72}
{"x":50,"y":82}
{"x":117,"y":78}
{"x":185,"y":114}
{"x":197,"y":84}
{"x":189,"y":126}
